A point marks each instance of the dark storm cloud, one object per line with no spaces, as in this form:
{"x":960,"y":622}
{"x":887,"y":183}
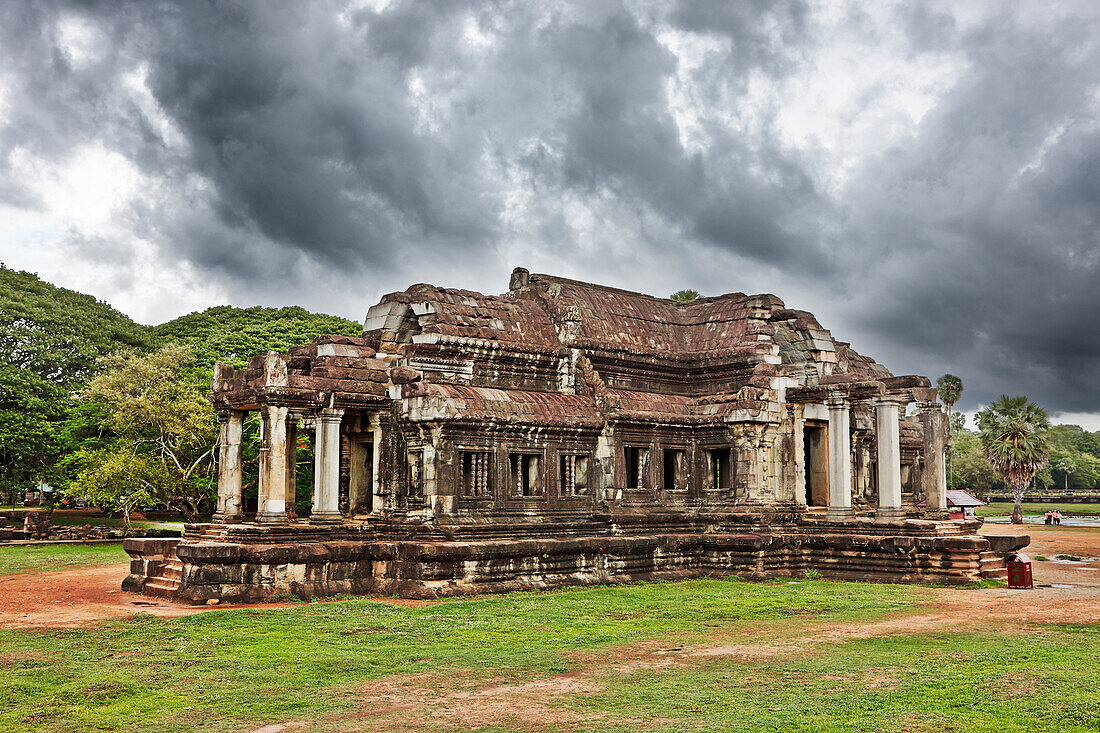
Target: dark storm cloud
{"x":283,"y":139}
{"x":994,"y":206}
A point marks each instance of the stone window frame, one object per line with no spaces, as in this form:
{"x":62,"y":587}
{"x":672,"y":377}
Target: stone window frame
{"x":513,"y":481}
{"x":685,"y":450}
{"x":710,"y":452}
{"x":483,"y":475}
{"x":642,"y":476}
{"x":570,"y":491}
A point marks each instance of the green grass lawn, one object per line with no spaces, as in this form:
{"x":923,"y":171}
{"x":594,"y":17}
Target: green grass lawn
{"x":1002,"y":509}
{"x":36,"y":558}
{"x":1044,"y":681}
{"x":239,"y":669}
{"x":99,"y":520}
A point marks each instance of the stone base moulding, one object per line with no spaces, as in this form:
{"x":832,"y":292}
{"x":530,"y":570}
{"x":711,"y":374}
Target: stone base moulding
{"x":323,"y":563}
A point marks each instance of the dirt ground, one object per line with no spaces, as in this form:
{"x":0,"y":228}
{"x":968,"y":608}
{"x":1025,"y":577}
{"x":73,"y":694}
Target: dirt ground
{"x":1066,"y":591}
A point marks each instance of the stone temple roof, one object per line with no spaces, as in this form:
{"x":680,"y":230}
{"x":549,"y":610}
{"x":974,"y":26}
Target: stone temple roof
{"x":548,"y":312}
{"x":552,"y":349}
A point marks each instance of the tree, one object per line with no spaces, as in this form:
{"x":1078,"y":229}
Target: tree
{"x":1014,"y":438}
{"x":31,"y":411}
{"x":1066,"y":465}
{"x":164,"y":432}
{"x":684,"y":296}
{"x":56,"y":333}
{"x":233,"y":335}
{"x":971,"y":469}
{"x":950,"y":388}
{"x":50,"y":339}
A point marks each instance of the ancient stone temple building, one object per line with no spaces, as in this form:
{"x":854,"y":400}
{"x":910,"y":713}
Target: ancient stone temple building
{"x":566,"y":432}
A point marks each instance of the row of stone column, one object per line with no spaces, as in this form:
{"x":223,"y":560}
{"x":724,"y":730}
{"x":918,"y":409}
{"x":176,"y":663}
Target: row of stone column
{"x":278,"y":444}
{"x":887,"y":417}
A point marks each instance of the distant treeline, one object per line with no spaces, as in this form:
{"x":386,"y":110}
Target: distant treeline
{"x":1074,"y":461}
{"x":89,"y":397}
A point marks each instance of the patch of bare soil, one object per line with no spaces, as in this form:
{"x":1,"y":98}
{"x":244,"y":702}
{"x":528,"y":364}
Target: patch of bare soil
{"x":69,"y":598}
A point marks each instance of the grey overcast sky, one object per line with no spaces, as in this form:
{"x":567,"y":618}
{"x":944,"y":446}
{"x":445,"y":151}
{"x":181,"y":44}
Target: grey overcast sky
{"x":925,"y":177}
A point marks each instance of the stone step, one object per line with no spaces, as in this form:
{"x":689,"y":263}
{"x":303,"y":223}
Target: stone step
{"x":172,"y":571}
{"x":161,"y":587}
{"x":992,"y":566}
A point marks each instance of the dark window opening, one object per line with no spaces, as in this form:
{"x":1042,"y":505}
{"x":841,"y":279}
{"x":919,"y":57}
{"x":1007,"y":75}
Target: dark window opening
{"x":526,"y":474}
{"x":573,"y":475}
{"x":475,"y":473}
{"x":675,"y":469}
{"x":719,"y":470}
{"x":637,"y":468}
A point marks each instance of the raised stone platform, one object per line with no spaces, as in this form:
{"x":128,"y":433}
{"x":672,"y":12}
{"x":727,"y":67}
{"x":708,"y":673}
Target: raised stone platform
{"x":255,"y":563}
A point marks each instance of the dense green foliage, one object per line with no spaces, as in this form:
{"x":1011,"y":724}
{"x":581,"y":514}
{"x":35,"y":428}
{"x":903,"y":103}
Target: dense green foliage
{"x":971,"y":470}
{"x":50,"y":341}
{"x":233,"y":335}
{"x":32,"y":410}
{"x":164,"y":436}
{"x":53,"y":343}
{"x":56,"y":333}
{"x":684,"y":296}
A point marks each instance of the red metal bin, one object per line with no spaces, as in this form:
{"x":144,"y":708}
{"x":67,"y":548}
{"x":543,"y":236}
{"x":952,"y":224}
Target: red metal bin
{"x":1019,"y":572}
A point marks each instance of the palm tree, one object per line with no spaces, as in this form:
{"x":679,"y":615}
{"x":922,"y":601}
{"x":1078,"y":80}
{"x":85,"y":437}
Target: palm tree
{"x":1014,"y":438}
{"x":684,"y":296}
{"x":950,"y":389}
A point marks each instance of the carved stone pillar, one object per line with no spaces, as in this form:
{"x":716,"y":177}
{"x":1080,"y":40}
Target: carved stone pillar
{"x":290,"y":494}
{"x":273,"y":465}
{"x":889,"y":459}
{"x":934,"y":476}
{"x":840,"y":459}
{"x":326,"y":468}
{"x":230,"y":427}
{"x":378,"y":484}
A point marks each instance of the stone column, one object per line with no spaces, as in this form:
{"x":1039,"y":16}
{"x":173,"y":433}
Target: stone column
{"x":326,"y":468}
{"x":889,"y":459}
{"x":378,"y":500}
{"x":840,"y":459}
{"x":934,"y":476}
{"x":230,"y":427}
{"x":290,"y":494}
{"x":273,"y":465}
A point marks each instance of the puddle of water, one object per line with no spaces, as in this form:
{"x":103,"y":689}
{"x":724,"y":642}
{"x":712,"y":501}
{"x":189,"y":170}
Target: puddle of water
{"x":1060,"y":585}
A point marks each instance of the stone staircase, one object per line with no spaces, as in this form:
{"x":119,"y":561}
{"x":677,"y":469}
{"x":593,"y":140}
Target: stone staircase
{"x":213,"y":533}
{"x":992,"y":566}
{"x":165,"y":584}
{"x":167,"y":580}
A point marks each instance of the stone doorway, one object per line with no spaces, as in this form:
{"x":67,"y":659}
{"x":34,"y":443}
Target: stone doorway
{"x":816,"y":445}
{"x":361,"y":479}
